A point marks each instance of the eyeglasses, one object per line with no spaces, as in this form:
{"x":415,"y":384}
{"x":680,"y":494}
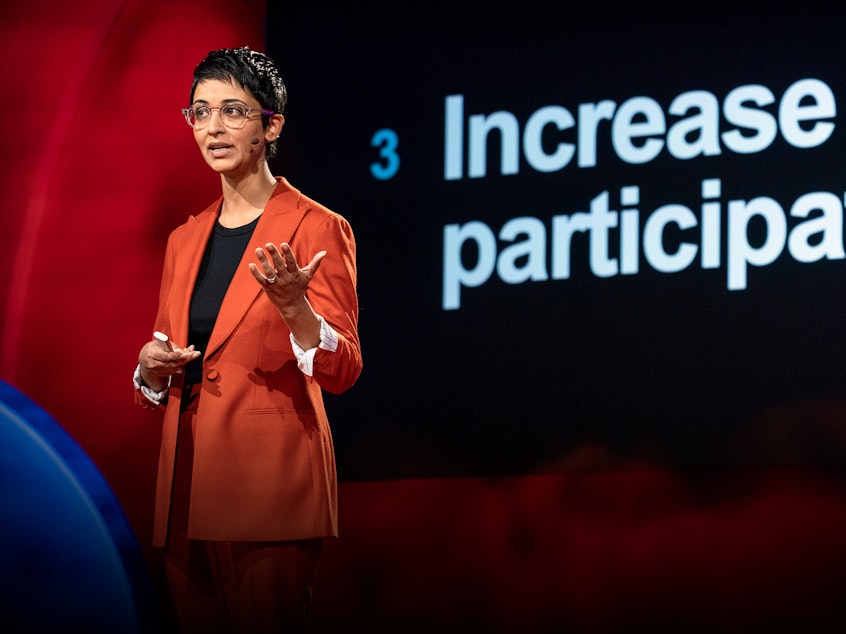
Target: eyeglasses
{"x":233,"y":115}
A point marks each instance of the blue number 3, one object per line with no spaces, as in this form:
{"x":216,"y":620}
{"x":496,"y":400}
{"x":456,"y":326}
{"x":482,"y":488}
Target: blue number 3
{"x":386,"y":140}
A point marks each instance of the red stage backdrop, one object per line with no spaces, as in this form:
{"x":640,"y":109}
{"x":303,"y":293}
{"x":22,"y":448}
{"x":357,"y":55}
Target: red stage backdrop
{"x":99,"y":167}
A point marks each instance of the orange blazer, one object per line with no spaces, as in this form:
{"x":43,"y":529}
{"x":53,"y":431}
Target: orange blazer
{"x":264,"y":461}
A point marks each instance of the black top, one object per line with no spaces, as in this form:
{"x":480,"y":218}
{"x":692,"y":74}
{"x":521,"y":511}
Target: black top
{"x":223,"y":253}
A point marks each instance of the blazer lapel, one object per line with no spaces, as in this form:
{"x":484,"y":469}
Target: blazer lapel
{"x":187,"y":267}
{"x":278,"y":222}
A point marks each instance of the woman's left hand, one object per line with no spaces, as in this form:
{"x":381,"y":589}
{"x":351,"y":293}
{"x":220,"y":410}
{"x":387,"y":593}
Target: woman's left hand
{"x":280,"y":276}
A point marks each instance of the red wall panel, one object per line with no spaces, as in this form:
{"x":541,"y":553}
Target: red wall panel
{"x":99,"y":167}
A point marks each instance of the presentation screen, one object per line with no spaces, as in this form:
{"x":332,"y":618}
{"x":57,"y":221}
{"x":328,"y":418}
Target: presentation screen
{"x":587,"y":237}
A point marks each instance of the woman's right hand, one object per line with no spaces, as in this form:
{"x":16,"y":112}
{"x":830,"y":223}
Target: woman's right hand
{"x":158,"y":364}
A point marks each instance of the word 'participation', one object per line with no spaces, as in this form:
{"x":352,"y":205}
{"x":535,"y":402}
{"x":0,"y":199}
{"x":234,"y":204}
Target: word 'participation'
{"x":819,"y":236}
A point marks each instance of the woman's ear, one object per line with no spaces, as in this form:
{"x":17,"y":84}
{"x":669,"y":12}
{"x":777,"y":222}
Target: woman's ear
{"x":274,"y":127}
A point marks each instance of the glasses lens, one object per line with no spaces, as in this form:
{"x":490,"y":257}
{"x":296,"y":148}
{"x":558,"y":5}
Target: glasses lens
{"x":197,"y":116}
{"x":234,"y":116}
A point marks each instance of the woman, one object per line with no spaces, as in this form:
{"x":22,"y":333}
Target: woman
{"x":246,"y":488}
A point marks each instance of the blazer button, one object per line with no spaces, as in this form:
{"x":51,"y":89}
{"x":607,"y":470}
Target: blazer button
{"x":213,"y":375}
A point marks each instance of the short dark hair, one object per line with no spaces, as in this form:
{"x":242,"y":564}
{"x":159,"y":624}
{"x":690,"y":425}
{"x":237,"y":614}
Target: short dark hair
{"x":255,"y":72}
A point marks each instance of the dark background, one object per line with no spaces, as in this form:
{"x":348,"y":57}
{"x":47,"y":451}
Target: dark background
{"x":672,"y":368}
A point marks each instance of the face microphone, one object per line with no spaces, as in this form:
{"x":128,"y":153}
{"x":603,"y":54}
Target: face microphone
{"x":255,"y":141}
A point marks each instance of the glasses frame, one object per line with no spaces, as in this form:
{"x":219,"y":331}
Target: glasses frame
{"x":247,"y":110}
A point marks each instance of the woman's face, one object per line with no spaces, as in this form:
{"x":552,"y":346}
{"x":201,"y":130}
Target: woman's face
{"x":232,"y":152}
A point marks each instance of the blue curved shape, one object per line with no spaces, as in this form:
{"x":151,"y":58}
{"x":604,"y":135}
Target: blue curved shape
{"x":69,"y":559}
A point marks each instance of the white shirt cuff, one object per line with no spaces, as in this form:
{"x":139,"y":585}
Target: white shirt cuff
{"x":154,"y":397}
{"x":305,"y":358}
